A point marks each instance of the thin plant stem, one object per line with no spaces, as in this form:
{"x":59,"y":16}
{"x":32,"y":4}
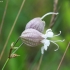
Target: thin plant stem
{"x":9,"y":57}
{"x":40,"y":62}
{"x":63,"y":56}
{"x":17,"y":48}
{"x":53,"y":18}
{"x":3,"y":16}
{"x":16,"y":41}
{"x":5,"y":63}
{"x":12,"y":29}
{"x":12,"y":46}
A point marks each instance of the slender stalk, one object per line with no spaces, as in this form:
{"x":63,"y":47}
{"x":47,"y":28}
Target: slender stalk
{"x":5,"y":63}
{"x":3,"y":16}
{"x":12,"y":46}
{"x":9,"y":57}
{"x":16,"y":41}
{"x":17,"y":48}
{"x":63,"y":56}
{"x":53,"y":18}
{"x":40,"y":62}
{"x":12,"y":29}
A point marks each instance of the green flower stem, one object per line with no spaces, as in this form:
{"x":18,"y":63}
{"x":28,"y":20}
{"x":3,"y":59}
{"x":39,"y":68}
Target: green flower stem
{"x":16,"y":41}
{"x":17,"y":48}
{"x":5,"y":63}
{"x":9,"y":58}
{"x":38,"y":68}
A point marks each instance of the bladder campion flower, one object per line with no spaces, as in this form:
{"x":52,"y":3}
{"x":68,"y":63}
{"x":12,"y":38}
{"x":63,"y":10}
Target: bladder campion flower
{"x":32,"y":37}
{"x":38,"y":23}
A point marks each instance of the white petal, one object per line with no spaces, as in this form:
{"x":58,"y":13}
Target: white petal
{"x":49,"y":33}
{"x":45,"y":47}
{"x":46,"y":43}
{"x":42,"y":50}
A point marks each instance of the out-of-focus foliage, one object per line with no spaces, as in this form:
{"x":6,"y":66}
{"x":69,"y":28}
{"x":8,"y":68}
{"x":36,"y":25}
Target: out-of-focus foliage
{"x":30,"y":55}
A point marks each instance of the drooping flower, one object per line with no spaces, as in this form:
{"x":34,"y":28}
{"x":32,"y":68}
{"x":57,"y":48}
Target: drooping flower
{"x":32,"y":37}
{"x":38,"y":23}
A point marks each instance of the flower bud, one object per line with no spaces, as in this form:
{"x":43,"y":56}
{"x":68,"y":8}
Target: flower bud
{"x":37,"y":24}
{"x":31,"y":37}
{"x":14,"y":55}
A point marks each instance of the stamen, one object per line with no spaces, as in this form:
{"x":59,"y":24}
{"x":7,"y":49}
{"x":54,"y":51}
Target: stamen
{"x":56,"y":45}
{"x":57,"y":34}
{"x":45,"y":47}
{"x":59,"y":40}
{"x":48,"y":14}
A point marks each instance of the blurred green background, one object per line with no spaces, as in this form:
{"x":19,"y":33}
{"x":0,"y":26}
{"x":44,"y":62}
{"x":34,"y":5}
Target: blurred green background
{"x":29,"y":57}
